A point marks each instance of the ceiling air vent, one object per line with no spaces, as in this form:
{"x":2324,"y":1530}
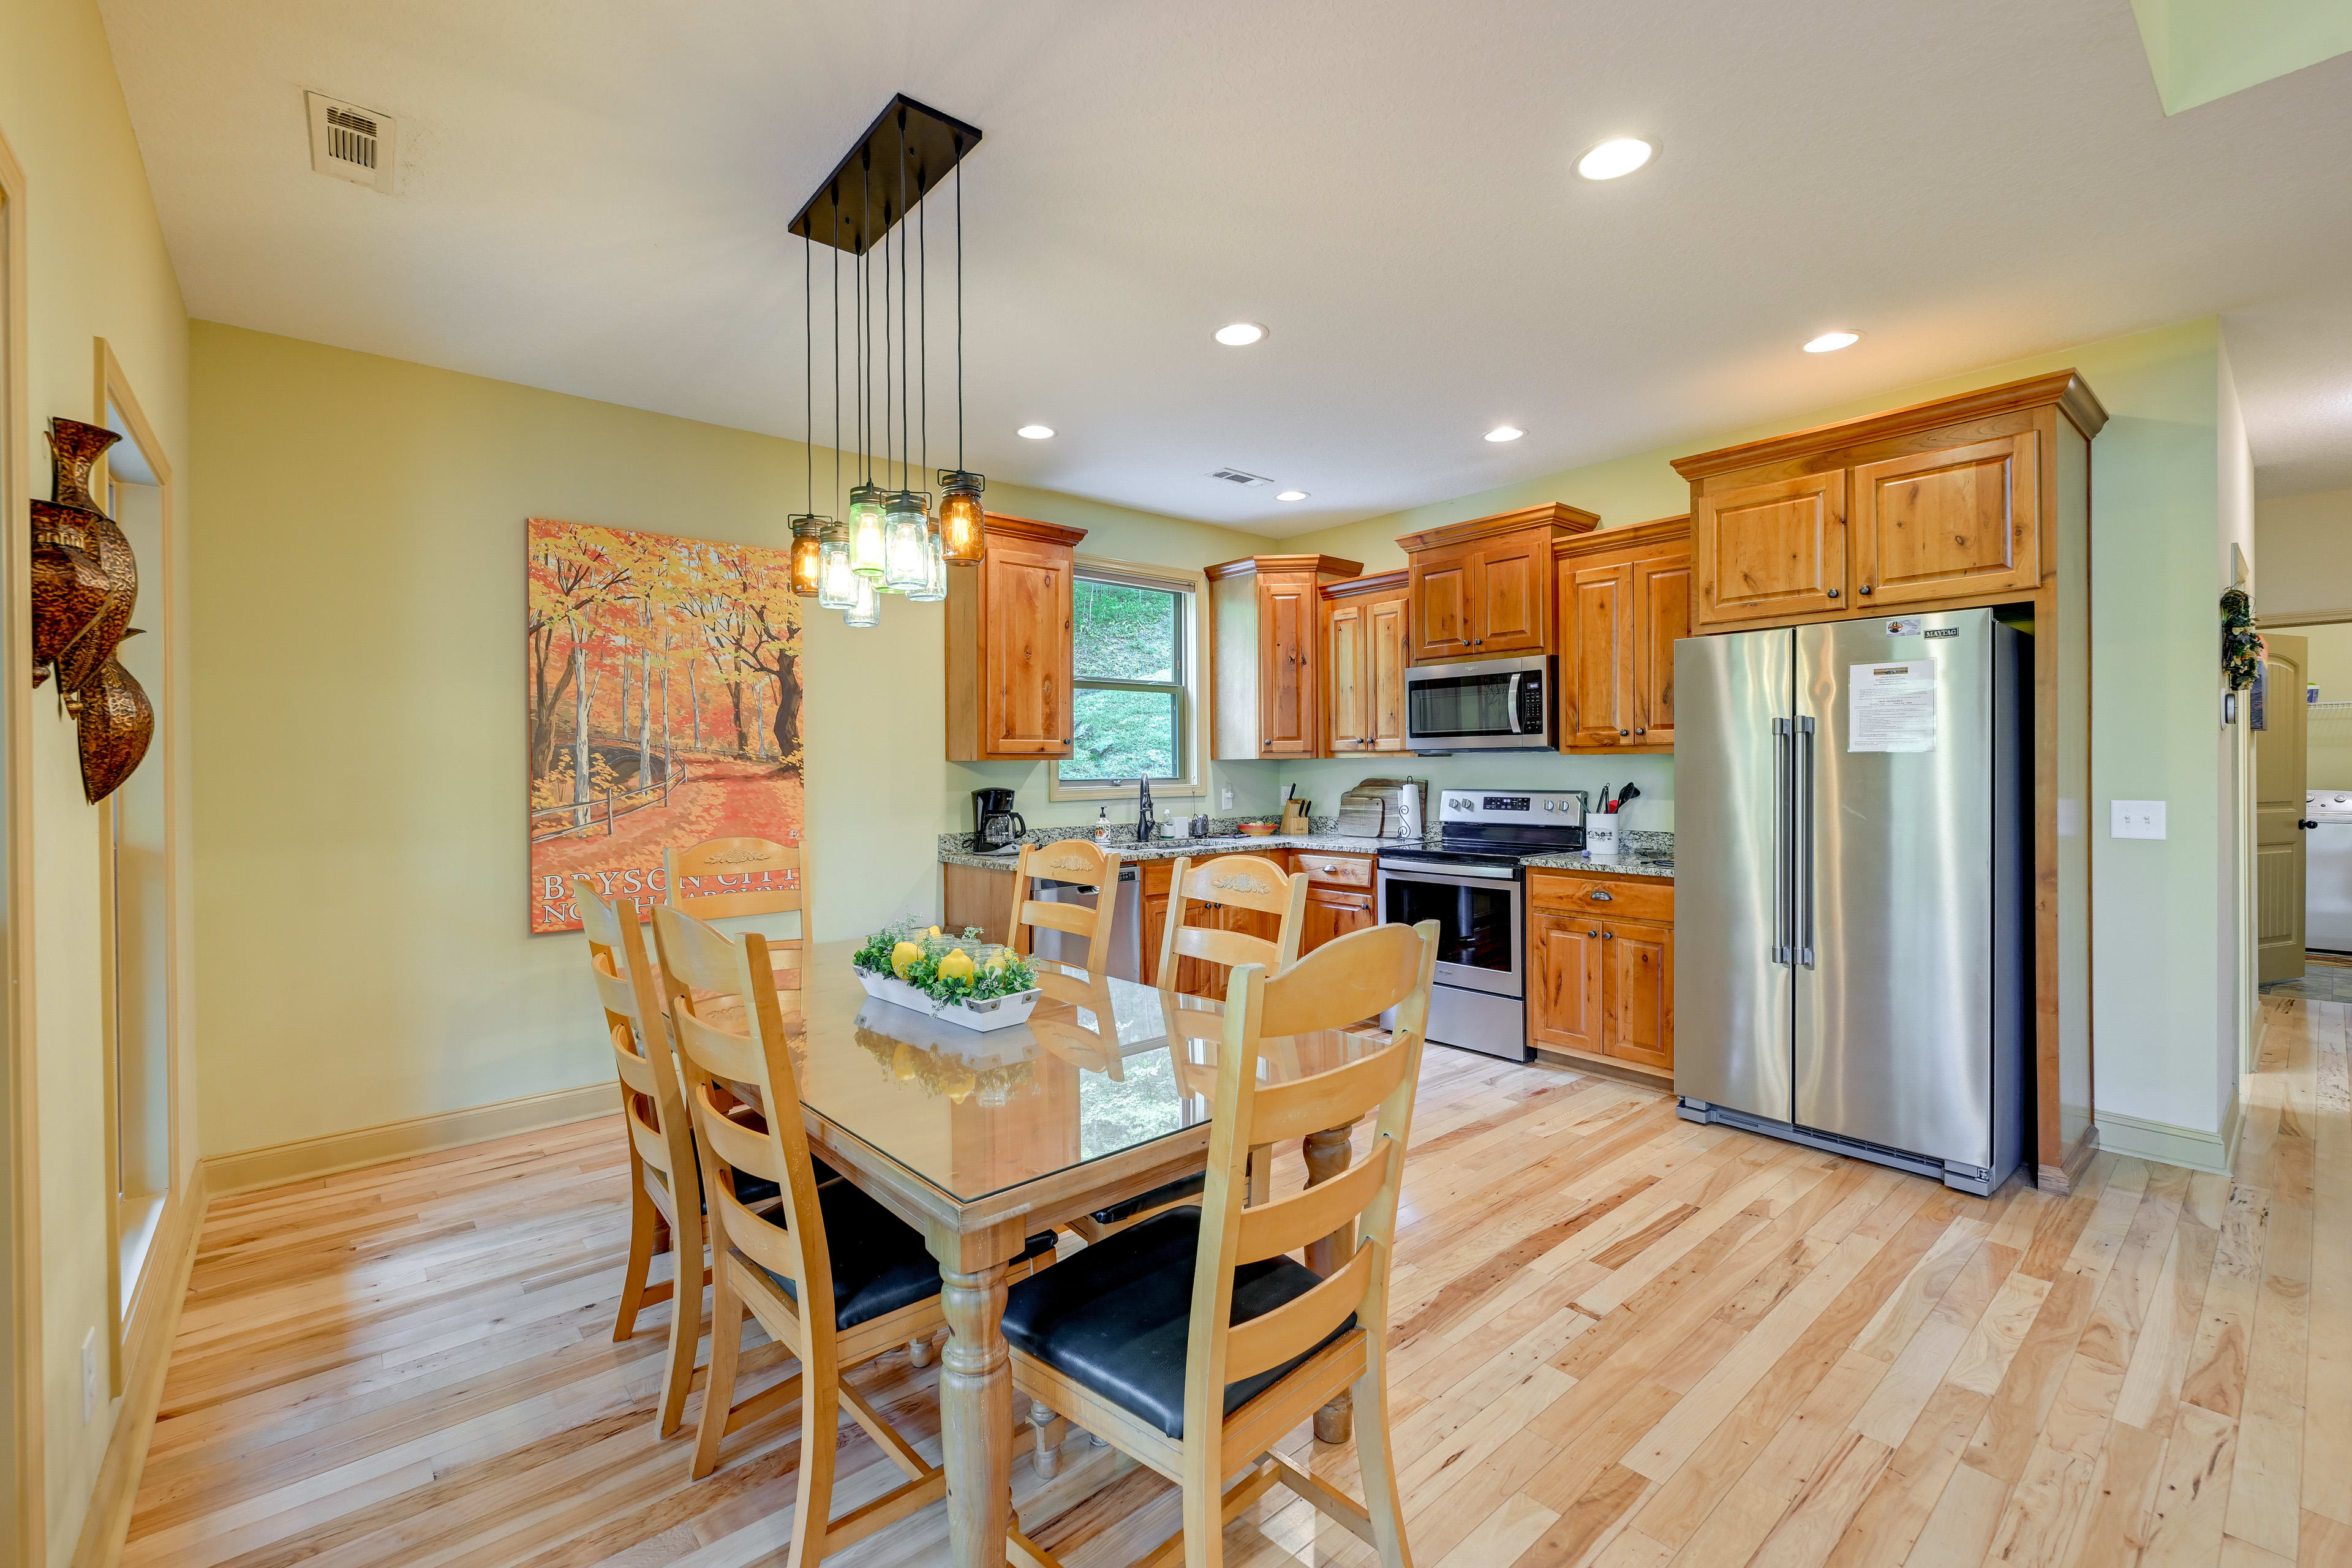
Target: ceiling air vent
{"x":1236,"y":477}
{"x":350,"y":143}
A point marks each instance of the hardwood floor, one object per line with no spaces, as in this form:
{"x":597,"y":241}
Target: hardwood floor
{"x":1621,"y":1339}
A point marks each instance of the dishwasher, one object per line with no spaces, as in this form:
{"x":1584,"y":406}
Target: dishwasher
{"x":1126,"y":958}
{"x":2327,"y":871}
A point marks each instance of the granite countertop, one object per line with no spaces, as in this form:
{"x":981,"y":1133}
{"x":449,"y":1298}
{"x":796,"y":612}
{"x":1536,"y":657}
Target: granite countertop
{"x":1652,"y":854}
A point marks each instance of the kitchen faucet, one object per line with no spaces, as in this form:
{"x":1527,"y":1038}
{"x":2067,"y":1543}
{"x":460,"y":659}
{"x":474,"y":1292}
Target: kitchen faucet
{"x":1143,"y":816}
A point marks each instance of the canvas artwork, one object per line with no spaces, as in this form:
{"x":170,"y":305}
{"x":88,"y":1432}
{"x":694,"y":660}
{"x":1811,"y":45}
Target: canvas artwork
{"x":663,"y":678}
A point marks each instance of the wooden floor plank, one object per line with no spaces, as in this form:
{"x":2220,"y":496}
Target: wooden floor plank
{"x":1621,"y":1340}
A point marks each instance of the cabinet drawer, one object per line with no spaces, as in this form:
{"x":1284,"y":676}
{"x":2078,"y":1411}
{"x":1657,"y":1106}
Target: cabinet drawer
{"x":1325,"y":869}
{"x":1618,"y":898}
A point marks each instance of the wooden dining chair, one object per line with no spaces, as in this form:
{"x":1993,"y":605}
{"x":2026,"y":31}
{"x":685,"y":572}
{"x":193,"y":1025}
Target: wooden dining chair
{"x":830,"y":1274}
{"x":1191,"y":1341}
{"x":1234,"y":882}
{"x":712,"y":865}
{"x":664,"y":1186}
{"x":1087,"y":864}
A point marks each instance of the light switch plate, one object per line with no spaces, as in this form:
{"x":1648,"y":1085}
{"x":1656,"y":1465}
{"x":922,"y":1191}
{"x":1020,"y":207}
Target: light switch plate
{"x":2136,"y":819}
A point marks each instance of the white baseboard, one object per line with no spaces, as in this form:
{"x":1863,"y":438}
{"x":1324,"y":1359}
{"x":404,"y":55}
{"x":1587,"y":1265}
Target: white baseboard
{"x":2168,"y":1144}
{"x":282,"y":1163}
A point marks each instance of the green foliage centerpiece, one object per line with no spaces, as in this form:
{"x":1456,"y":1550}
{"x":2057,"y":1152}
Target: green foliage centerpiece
{"x":961,"y":979}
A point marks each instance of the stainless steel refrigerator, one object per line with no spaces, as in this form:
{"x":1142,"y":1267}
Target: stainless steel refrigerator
{"x":1852,"y":894}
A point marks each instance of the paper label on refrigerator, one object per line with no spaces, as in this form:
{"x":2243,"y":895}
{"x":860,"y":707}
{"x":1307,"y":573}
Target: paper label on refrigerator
{"x":1891,"y":707}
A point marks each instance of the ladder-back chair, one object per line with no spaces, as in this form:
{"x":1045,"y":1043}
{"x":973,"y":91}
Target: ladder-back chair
{"x":715,"y":866}
{"x":1233,"y":883}
{"x":665,"y":1186}
{"x":1191,"y":1341}
{"x":832,"y":1276}
{"x":1078,"y":860}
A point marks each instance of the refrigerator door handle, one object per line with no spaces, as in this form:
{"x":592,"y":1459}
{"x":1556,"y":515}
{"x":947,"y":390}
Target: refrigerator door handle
{"x":1802,"y":836}
{"x":1782,"y":787}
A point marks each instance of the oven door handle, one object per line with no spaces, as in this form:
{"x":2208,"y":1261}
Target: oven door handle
{"x":1438,"y":870}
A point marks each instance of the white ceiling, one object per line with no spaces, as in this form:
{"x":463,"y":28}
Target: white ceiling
{"x":593,"y":198}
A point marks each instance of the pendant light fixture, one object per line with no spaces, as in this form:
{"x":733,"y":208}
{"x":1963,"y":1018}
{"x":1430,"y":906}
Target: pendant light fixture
{"x":888,"y":541}
{"x":808,"y":529}
{"x":963,"y":535}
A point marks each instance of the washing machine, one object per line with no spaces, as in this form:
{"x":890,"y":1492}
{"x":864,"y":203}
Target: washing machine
{"x":2327,"y":871}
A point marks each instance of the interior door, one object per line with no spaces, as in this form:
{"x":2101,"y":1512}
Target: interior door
{"x":2280,"y":783}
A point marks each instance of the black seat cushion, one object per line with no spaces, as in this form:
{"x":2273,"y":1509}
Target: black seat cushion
{"x":1160,"y":1196}
{"x":1115,"y":1316}
{"x":750,"y":1191}
{"x":879,"y":1261}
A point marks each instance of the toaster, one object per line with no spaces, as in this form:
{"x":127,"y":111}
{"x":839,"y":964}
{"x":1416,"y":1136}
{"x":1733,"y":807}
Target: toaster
{"x":1384,"y":808}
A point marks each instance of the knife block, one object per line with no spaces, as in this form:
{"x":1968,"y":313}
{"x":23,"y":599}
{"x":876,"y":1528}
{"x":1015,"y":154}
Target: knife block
{"x":1294,"y":816}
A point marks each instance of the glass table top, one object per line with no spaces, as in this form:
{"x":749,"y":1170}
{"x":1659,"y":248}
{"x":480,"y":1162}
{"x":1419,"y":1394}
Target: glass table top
{"x":1097,"y":1069}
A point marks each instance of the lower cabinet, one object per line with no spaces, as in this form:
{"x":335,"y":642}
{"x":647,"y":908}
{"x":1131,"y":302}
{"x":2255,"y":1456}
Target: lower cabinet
{"x":1601,"y":962}
{"x":1332,"y":913}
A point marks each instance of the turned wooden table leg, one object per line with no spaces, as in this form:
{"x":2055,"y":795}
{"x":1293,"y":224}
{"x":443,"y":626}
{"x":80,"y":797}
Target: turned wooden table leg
{"x":1049,"y":1429}
{"x":975,"y":1413}
{"x":1327,"y":1153}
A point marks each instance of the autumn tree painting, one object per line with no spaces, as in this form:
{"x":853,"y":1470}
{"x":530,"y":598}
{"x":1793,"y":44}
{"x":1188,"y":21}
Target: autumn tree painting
{"x":665,"y":706}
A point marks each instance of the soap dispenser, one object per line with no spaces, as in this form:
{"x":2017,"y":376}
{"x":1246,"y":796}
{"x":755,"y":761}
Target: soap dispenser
{"x":1102,"y":824}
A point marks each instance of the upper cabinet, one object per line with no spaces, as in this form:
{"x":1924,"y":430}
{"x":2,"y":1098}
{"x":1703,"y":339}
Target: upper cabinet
{"x":1008,"y":644}
{"x":1365,"y":651}
{"x":1945,"y":503}
{"x":1624,"y":596}
{"x":1266,"y":627}
{"x":1483,"y":589}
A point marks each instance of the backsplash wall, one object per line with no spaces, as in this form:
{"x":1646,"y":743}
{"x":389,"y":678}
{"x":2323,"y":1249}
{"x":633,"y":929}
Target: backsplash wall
{"x":1652,"y":810}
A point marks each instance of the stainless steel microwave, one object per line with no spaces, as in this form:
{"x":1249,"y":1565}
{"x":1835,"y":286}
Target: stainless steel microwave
{"x":1483,"y":705}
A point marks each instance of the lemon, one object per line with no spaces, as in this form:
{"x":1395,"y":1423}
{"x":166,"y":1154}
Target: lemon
{"x":956,"y":965}
{"x":933,"y":932}
{"x":902,"y":955}
{"x":995,"y":964}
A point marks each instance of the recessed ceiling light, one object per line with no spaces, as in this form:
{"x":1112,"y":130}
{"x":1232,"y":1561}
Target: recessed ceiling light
{"x":1240,"y":334}
{"x":1290,"y":495}
{"x":1617,"y":156}
{"x":1505,"y":433}
{"x":1036,"y":432}
{"x":1830,"y":342}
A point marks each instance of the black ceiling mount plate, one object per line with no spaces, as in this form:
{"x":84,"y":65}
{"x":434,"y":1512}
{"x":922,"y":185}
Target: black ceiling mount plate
{"x":860,"y":199}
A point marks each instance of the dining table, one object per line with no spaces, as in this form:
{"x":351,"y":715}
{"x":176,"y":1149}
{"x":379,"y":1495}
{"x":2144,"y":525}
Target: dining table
{"x":981,"y":1140}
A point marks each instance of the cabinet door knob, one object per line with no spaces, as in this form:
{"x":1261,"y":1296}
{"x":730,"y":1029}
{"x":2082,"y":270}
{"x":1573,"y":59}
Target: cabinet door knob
{"x":1834,"y":593}
{"x":1609,"y":936}
{"x":1621,"y":732}
{"x":1327,"y":866}
{"x":1641,"y":732}
{"x":1592,"y":933}
{"x":1865,"y":587}
{"x":1601,"y":895}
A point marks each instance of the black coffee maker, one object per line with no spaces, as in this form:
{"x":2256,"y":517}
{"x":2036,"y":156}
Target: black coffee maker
{"x":995,"y":823}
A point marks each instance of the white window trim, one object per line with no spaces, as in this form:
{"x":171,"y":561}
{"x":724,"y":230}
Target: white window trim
{"x":1195,"y":782}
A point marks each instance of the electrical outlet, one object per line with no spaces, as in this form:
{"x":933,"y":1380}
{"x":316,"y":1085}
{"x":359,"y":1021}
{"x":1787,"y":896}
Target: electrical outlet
{"x":1228,"y":797}
{"x":2136,"y":819}
{"x":90,"y":1377}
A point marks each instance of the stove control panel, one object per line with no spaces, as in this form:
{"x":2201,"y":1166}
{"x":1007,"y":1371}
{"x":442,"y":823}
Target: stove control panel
{"x":1513,"y":808}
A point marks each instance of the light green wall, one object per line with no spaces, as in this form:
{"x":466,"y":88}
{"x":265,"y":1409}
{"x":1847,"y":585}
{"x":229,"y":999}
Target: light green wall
{"x":2199,"y":50}
{"x":94,"y":266}
{"x":2330,"y":742}
{"x":2164,"y":911}
{"x":360,"y":866}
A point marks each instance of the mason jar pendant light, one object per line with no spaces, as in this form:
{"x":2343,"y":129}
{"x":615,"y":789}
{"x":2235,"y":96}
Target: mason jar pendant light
{"x":964,"y":535}
{"x":888,"y":541}
{"x":808,"y":529}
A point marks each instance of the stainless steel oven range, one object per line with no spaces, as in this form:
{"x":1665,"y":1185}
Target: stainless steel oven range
{"x":1468,"y":879}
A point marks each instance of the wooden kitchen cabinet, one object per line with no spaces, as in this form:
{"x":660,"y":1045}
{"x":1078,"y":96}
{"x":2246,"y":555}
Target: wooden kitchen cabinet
{"x":1339,"y":894}
{"x":1008,"y":644}
{"x":1983,"y":499}
{"x":1600,"y":965}
{"x":1483,"y":589}
{"x":1365,"y":652}
{"x":1266,"y":631}
{"x":1624,"y":598}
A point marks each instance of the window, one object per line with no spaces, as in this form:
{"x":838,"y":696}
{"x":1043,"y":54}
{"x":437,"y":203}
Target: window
{"x":1133,"y":693}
